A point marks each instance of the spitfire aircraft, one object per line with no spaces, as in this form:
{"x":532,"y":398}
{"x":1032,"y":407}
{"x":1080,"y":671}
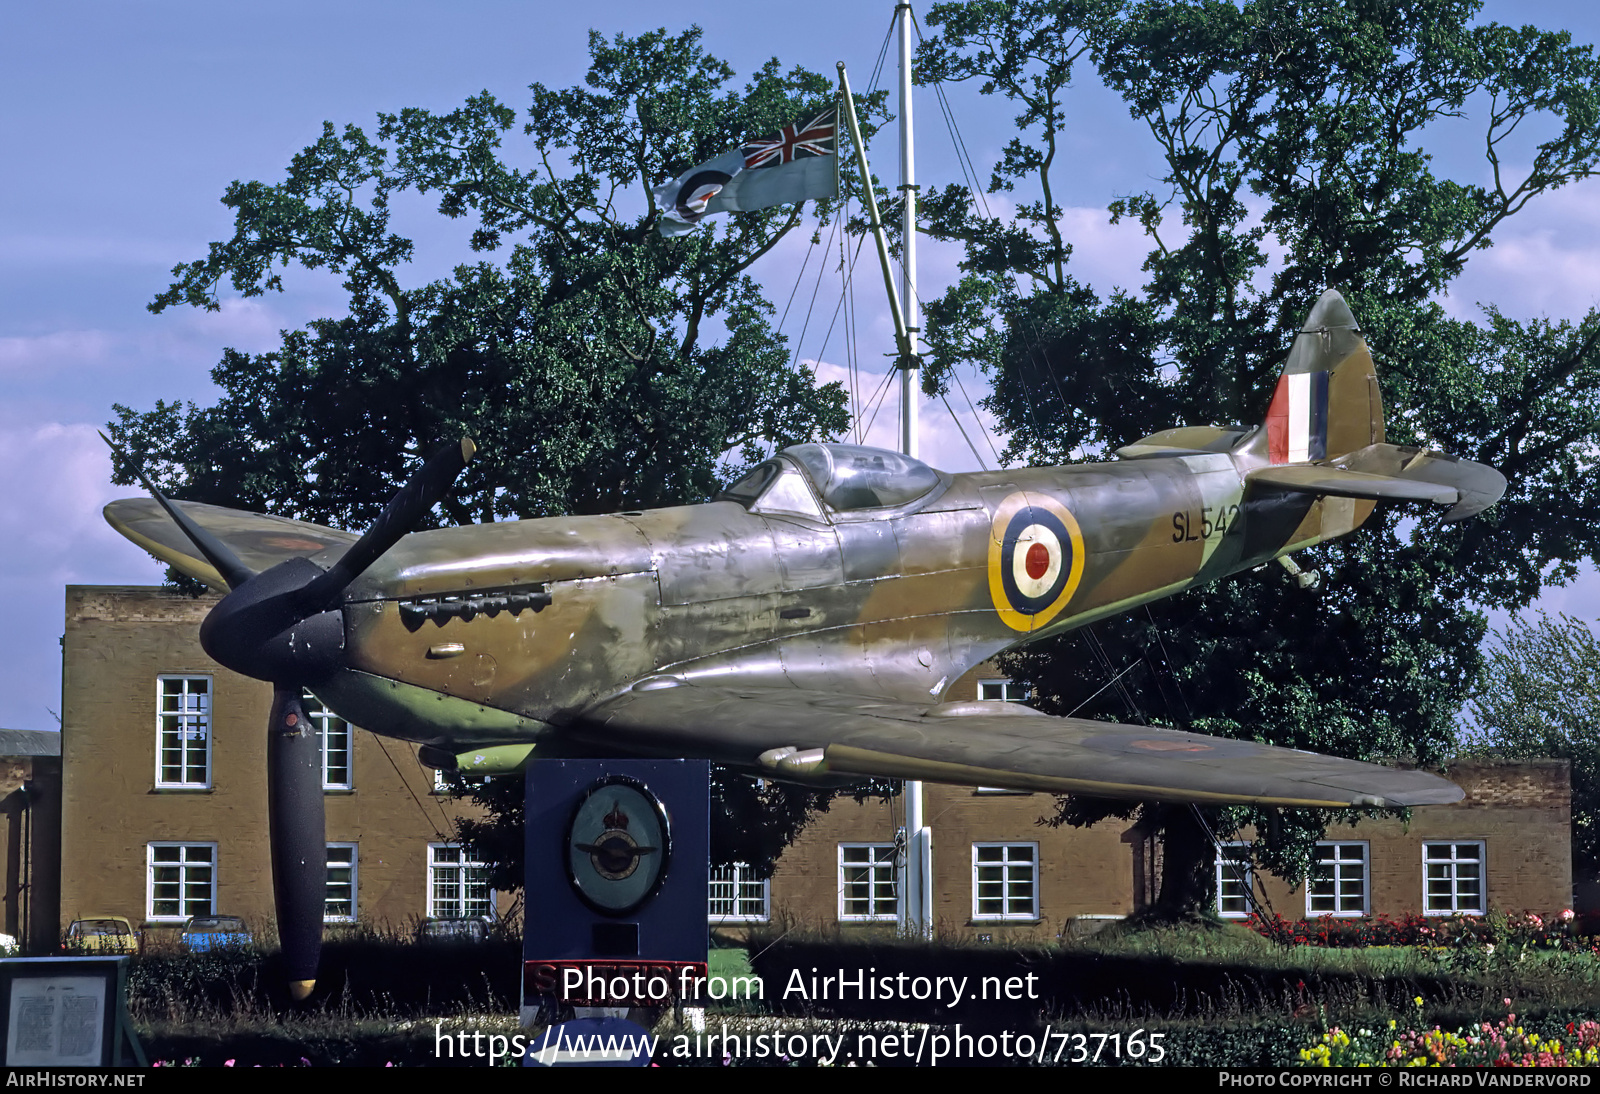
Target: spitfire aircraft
{"x":806,"y":624}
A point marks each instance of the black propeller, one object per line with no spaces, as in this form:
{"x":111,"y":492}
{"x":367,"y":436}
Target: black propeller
{"x":284,"y":625}
{"x":297,"y":825}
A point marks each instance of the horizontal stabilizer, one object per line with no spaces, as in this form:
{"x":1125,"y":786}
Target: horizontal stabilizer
{"x":830,"y":735}
{"x":1339,"y":483}
{"x":1389,"y":472}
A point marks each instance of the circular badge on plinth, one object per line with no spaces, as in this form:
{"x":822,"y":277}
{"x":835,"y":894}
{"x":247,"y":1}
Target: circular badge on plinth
{"x":1035,"y":560}
{"x":618,"y":843}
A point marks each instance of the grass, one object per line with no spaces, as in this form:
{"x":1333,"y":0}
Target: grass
{"x":1483,"y":978}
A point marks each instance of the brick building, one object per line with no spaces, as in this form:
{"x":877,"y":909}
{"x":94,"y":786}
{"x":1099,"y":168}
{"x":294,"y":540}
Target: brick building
{"x":30,"y":835}
{"x":998,"y":873}
{"x":164,"y":798}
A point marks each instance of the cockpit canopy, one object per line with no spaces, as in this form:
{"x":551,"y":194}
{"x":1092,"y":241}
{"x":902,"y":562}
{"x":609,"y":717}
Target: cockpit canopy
{"x":845,"y":476}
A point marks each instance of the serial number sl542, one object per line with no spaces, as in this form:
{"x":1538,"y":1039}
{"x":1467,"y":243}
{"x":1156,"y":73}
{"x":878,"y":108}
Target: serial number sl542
{"x":1185,"y":529}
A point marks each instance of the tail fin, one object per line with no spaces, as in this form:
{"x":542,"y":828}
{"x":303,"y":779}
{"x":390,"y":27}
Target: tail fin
{"x":1327,"y":401}
{"x":1324,"y":433}
{"x":1324,"y":436}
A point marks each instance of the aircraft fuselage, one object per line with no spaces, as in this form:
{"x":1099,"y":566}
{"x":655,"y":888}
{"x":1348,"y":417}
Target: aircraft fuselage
{"x":489,"y":634}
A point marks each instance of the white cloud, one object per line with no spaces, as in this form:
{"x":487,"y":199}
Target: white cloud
{"x":1544,"y":263}
{"x":1105,"y":256}
{"x":1579,"y":599}
{"x":55,"y":351}
{"x":174,"y":355}
{"x":54,"y":480}
{"x":251,"y":325}
{"x":941,"y":443}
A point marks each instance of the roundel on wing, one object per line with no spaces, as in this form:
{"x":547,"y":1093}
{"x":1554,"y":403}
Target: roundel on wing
{"x":1035,"y":560}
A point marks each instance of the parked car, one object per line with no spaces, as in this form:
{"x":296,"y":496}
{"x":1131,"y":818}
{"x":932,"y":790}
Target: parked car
{"x":101,"y":934}
{"x":475,"y":929}
{"x":215,"y":932}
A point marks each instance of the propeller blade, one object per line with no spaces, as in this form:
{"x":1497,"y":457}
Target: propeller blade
{"x":409,"y":505}
{"x":273,"y":626}
{"x":224,"y":561}
{"x":298,"y":834}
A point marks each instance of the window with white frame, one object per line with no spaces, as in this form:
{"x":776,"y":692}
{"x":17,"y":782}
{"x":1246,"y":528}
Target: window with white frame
{"x":737,"y":895}
{"x":458,"y":887}
{"x":1338,"y":882}
{"x":1453,"y":878}
{"x":339,"y":905}
{"x":1002,"y":691}
{"x":181,"y":880}
{"x":1005,"y":881}
{"x":337,"y":743}
{"x":866,"y":882}
{"x":1235,"y":876}
{"x":183,"y":731}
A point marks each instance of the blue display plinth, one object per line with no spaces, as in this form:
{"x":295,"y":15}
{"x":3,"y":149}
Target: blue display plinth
{"x":618,"y":861}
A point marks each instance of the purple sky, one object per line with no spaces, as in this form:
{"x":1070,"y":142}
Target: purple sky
{"x":125,"y":124}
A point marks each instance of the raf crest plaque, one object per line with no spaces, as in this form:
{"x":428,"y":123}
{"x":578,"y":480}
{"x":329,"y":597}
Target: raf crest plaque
{"x":619,"y":842}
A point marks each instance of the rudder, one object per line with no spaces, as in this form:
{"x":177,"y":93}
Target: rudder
{"x":1326,"y":402}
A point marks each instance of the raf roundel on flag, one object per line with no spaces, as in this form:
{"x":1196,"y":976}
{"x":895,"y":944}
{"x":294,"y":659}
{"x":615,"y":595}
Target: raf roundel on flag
{"x":795,"y":164}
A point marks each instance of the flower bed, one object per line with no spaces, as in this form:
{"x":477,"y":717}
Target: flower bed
{"x":1526,"y":929}
{"x":1500,"y":1044}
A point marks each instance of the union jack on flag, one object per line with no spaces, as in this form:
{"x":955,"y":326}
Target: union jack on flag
{"x":817,"y":137}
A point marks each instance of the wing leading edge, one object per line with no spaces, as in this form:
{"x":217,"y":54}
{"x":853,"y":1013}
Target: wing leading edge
{"x":811,"y":735}
{"x":259,"y":541}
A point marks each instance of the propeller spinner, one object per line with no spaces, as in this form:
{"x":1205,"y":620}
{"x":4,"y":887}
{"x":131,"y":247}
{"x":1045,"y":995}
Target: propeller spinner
{"x":284,"y":625}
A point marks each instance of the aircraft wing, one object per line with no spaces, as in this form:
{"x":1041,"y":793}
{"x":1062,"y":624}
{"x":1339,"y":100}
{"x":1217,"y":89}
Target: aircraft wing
{"x":808,"y":734}
{"x":259,"y":541}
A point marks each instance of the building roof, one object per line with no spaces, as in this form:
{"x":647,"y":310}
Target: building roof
{"x":30,"y":742}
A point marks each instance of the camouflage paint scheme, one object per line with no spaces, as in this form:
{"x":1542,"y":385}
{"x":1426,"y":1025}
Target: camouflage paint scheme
{"x":807,"y":626}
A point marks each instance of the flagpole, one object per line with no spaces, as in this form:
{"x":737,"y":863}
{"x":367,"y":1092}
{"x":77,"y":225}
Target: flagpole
{"x":910,"y":366}
{"x":914,"y":896}
{"x":916,"y":911}
{"x":870,"y":200}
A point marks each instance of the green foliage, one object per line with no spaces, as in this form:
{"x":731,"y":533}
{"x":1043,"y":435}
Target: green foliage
{"x":1540,"y":696}
{"x":598,"y":366}
{"x":369,"y":974}
{"x":1215,"y":996}
{"x":497,"y":839}
{"x":1194,"y":974}
{"x":1506,"y":1043}
{"x":1514,"y":935}
{"x":753,"y":820}
{"x":1294,"y":138}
